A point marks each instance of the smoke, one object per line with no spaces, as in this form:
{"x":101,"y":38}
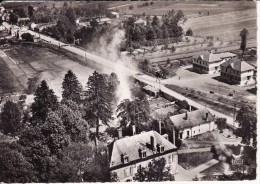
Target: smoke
{"x":108,"y":46}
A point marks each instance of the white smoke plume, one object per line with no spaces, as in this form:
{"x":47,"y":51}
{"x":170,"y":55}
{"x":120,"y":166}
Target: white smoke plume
{"x":123,"y":66}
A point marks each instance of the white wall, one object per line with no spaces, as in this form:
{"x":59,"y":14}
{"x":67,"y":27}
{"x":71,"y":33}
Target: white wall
{"x":128,"y":172}
{"x":196,"y":130}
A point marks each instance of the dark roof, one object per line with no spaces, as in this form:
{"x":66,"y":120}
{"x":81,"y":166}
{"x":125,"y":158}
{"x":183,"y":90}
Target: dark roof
{"x":208,"y":56}
{"x":130,"y":146}
{"x":237,"y":64}
{"x":194,"y":118}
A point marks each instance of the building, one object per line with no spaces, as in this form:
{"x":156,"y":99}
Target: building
{"x":128,"y":154}
{"x":114,"y":15}
{"x":208,"y":62}
{"x":192,"y":123}
{"x":140,"y":22}
{"x":237,"y":71}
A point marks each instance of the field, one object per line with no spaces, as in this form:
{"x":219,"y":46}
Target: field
{"x":225,"y":19}
{"x":188,"y":7}
{"x":43,"y":62}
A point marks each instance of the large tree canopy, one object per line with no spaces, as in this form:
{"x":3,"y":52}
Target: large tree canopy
{"x":11,"y":118}
{"x":44,"y":101}
{"x":98,"y":100}
{"x":71,"y":87}
{"x":246,"y":117}
{"x":156,"y":171}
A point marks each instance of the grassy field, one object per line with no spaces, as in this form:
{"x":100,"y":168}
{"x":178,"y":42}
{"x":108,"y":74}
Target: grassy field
{"x":8,"y":82}
{"x":188,"y":7}
{"x":43,"y":62}
{"x":225,"y":20}
{"x":191,"y":160}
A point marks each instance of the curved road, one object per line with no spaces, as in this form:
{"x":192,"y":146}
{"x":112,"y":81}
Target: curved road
{"x":143,"y":78}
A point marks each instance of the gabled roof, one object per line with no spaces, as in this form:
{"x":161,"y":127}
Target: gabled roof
{"x":237,"y":64}
{"x":194,"y":118}
{"x":130,"y":146}
{"x":208,"y":56}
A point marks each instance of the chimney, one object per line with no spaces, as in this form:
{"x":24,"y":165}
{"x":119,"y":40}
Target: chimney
{"x":120,"y":135}
{"x":207,"y":116}
{"x":152,"y":142}
{"x":186,"y":116}
{"x":173,"y":136}
{"x":134,"y":129}
{"x":160,"y":127}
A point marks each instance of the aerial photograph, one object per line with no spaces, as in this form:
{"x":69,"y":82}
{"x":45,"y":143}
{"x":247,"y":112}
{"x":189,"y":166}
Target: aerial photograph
{"x":128,"y":91}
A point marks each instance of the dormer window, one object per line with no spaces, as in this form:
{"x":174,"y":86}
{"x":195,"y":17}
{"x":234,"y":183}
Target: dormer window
{"x":160,"y":148}
{"x":142,"y":153}
{"x":125,"y":159}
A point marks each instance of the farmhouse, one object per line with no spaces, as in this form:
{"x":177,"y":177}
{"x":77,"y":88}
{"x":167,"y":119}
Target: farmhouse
{"x":114,"y":15}
{"x":237,"y":71}
{"x":208,"y":62}
{"x":193,"y":123}
{"x":128,"y":154}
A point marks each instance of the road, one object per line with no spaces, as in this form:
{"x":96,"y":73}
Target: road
{"x":143,"y":78}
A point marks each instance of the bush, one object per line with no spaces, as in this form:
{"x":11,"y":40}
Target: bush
{"x":189,"y":32}
{"x":27,"y":36}
{"x":151,"y":3}
{"x":131,"y":7}
{"x":228,"y":136}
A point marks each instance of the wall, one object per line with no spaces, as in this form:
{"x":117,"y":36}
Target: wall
{"x":196,"y":130}
{"x":128,"y":172}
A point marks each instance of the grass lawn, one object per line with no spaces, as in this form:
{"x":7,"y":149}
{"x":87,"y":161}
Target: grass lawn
{"x":191,"y":160}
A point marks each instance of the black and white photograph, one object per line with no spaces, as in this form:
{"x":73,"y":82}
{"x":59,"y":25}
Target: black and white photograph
{"x":128,"y":91}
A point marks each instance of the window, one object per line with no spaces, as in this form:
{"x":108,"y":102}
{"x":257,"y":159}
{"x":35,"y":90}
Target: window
{"x":162,"y":148}
{"x":125,"y":173}
{"x":131,"y":171}
{"x":170,"y":159}
{"x":143,"y":154}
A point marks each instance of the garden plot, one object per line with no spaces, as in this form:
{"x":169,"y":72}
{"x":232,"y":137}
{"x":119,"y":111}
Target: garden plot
{"x":27,"y":69}
{"x":38,"y":66}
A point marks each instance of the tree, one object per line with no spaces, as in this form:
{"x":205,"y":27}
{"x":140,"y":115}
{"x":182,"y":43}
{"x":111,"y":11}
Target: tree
{"x":70,"y":38}
{"x":30,"y":11}
{"x":221,"y":123}
{"x":27,"y":36}
{"x":243,"y":34}
{"x":44,"y":101}
{"x":150,"y":33}
{"x":134,"y":112}
{"x":70,"y":13}
{"x":156,"y":171}
{"x":183,"y":104}
{"x":97,"y":104}
{"x":32,"y":84}
{"x":75,"y":126}
{"x":13,"y":18}
{"x":246,"y":118}
{"x":155,"y":21}
{"x":14,"y":168}
{"x":54,"y":133}
{"x":189,"y":32}
{"x":11,"y":118}
{"x":71,"y":87}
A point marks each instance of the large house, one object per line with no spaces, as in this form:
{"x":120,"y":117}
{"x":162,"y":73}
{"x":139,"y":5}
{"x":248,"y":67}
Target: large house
{"x":237,"y":71}
{"x":192,"y":123}
{"x":208,"y":62}
{"x":128,"y":154}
